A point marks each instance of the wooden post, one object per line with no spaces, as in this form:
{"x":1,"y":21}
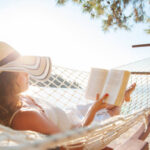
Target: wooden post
{"x":140,"y":45}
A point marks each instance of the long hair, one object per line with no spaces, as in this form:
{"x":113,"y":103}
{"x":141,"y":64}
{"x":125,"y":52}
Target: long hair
{"x":9,"y":101}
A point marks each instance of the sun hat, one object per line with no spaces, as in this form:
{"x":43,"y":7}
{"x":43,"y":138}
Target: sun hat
{"x":10,"y":60}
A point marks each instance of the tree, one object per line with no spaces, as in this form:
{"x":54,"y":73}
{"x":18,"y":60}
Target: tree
{"x":116,"y":13}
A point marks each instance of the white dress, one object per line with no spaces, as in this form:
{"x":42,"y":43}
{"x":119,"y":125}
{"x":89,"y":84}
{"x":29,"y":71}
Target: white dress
{"x":65,"y":120}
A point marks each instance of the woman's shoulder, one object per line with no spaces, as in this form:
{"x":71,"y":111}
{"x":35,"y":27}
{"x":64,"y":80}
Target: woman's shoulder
{"x":33,"y":120}
{"x":25,"y":118}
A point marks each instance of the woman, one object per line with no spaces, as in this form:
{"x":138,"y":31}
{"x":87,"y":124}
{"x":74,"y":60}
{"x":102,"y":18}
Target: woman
{"x":25,"y":113}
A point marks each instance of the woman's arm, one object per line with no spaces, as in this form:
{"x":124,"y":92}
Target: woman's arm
{"x":99,"y":104}
{"x":35,"y":121}
{"x":112,"y":110}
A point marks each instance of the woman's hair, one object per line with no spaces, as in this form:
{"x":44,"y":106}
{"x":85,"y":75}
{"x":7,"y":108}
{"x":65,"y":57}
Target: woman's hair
{"x":9,"y":101}
{"x":8,"y":86}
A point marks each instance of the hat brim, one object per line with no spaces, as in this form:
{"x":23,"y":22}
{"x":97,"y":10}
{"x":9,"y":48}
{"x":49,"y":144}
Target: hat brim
{"x":38,"y":67}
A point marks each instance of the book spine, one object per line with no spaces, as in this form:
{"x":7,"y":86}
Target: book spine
{"x":120,"y":97}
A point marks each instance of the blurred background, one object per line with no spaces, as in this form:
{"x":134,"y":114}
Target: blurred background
{"x":70,"y":37}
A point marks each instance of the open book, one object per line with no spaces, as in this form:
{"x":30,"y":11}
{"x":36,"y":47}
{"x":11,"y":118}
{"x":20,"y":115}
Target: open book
{"x":113,"y":82}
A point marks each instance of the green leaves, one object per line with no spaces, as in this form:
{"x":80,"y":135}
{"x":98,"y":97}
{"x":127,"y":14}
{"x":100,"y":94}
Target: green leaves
{"x":147,"y":31}
{"x":61,"y":2}
{"x":116,"y":14}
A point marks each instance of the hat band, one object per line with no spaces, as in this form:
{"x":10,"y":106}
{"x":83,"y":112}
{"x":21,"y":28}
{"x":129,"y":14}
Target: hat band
{"x":11,"y":57}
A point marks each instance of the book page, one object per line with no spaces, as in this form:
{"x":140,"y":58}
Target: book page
{"x":96,"y":82}
{"x":115,"y":86}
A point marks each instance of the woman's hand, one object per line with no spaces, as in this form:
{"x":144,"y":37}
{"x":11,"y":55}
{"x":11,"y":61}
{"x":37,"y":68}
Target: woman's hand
{"x":100,"y":102}
{"x":113,"y":110}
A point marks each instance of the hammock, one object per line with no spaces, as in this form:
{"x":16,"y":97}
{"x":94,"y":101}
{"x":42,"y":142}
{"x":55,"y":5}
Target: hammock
{"x":65,"y":88}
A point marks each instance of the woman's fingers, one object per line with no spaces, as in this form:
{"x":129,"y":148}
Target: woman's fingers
{"x":100,"y":103}
{"x":97,"y":96}
{"x":104,"y":97}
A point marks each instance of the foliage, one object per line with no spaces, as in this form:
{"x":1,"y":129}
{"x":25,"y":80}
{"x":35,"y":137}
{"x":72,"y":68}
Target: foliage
{"x":116,"y":13}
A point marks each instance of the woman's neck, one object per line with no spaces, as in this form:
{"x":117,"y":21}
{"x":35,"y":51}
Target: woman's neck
{"x":8,"y":105}
{"x":11,"y":100}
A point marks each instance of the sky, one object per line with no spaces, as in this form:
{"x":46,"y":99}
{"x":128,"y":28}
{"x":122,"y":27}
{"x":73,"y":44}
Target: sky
{"x":71,"y":38}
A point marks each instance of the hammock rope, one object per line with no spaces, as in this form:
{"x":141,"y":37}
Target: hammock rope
{"x":66,"y":88}
{"x":93,"y":137}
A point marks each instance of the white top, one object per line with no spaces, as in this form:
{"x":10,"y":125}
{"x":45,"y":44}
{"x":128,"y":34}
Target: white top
{"x":65,"y":120}
{"x":55,"y":114}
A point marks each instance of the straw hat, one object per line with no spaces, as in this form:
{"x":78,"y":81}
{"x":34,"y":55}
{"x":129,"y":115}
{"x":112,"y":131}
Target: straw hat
{"x":10,"y":60}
